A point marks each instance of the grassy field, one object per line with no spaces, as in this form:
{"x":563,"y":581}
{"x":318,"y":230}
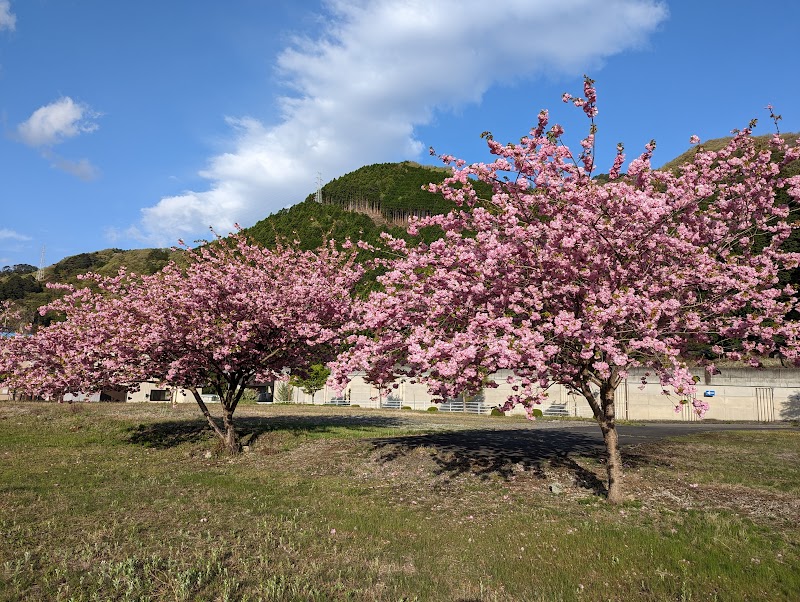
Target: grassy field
{"x":136,"y":502}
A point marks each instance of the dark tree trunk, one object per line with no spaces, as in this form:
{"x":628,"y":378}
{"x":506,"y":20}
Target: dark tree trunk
{"x":604,"y":413}
{"x":231,"y":439}
{"x":227,"y":433}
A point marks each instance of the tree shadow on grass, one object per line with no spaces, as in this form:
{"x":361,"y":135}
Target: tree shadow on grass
{"x":172,"y":433}
{"x":489,"y":453}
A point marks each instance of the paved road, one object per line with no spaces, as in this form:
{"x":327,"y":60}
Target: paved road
{"x":468,"y":432}
{"x":653,"y":431}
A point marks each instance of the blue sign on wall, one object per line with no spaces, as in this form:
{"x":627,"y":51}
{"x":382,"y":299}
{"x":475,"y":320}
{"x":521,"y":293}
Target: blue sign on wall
{"x":709,"y":393}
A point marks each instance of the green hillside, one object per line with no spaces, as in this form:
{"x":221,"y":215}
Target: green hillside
{"x":387,"y":193}
{"x":358,"y":205}
{"x":396,"y":188}
{"x":108,"y":262}
{"x":20,"y":285}
{"x":717,"y":144}
{"x":310,"y":223}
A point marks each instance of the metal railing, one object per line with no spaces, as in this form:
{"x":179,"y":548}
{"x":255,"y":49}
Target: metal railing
{"x":473,"y":406}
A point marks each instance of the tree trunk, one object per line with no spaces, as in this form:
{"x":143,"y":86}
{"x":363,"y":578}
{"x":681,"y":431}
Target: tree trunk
{"x":611,"y":438}
{"x":604,"y":413}
{"x":231,"y":439}
{"x":228,"y":435}
{"x":613,"y":461}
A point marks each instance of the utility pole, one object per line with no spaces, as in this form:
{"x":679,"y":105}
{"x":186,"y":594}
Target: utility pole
{"x":319,"y":187}
{"x":40,"y":271}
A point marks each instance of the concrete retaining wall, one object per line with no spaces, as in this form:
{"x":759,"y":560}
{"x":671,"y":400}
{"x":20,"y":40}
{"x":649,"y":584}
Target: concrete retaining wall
{"x":735,"y":394}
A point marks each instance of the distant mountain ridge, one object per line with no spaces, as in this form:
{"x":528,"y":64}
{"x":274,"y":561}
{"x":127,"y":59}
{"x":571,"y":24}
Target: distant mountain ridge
{"x":28,"y":293}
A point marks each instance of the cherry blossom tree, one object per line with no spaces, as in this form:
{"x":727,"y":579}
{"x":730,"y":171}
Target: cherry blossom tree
{"x":565,"y":278}
{"x":227,"y":313}
{"x":10,"y":315}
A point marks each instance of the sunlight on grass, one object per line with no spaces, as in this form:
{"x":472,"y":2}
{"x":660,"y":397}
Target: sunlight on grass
{"x":136,"y":503}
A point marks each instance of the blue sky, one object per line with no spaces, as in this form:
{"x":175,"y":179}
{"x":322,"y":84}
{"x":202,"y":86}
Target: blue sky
{"x":132,"y":124}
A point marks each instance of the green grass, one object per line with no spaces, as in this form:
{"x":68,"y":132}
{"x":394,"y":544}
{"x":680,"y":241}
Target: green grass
{"x":765,"y":460}
{"x":136,"y":502}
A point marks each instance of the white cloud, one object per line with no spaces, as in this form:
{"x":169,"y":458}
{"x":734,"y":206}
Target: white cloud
{"x":8,"y":20}
{"x":380,"y":68}
{"x":82,"y":168}
{"x":52,"y":124}
{"x":6,"y":234}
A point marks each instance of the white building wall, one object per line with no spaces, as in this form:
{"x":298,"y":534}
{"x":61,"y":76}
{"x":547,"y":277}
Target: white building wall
{"x":736,"y":394}
{"x":145,"y":394}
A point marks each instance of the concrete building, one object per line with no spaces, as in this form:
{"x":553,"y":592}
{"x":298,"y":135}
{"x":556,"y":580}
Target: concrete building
{"x":764,"y":395}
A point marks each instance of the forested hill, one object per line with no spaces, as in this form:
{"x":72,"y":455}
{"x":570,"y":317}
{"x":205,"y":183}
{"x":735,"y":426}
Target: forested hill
{"x":358,"y":205}
{"x":20,"y":285}
{"x":717,"y":144}
{"x":311,"y":223}
{"x":395,"y":189}
{"x":382,"y":194}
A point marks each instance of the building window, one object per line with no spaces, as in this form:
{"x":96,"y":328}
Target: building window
{"x":159,"y":395}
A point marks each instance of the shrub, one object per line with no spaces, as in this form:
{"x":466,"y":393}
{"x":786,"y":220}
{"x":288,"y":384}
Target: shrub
{"x":354,"y":405}
{"x":249,"y":397}
{"x":536,"y":413}
{"x":433,"y":409}
{"x":284,"y":392}
{"x":497,"y":412}
{"x":406,"y":408}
